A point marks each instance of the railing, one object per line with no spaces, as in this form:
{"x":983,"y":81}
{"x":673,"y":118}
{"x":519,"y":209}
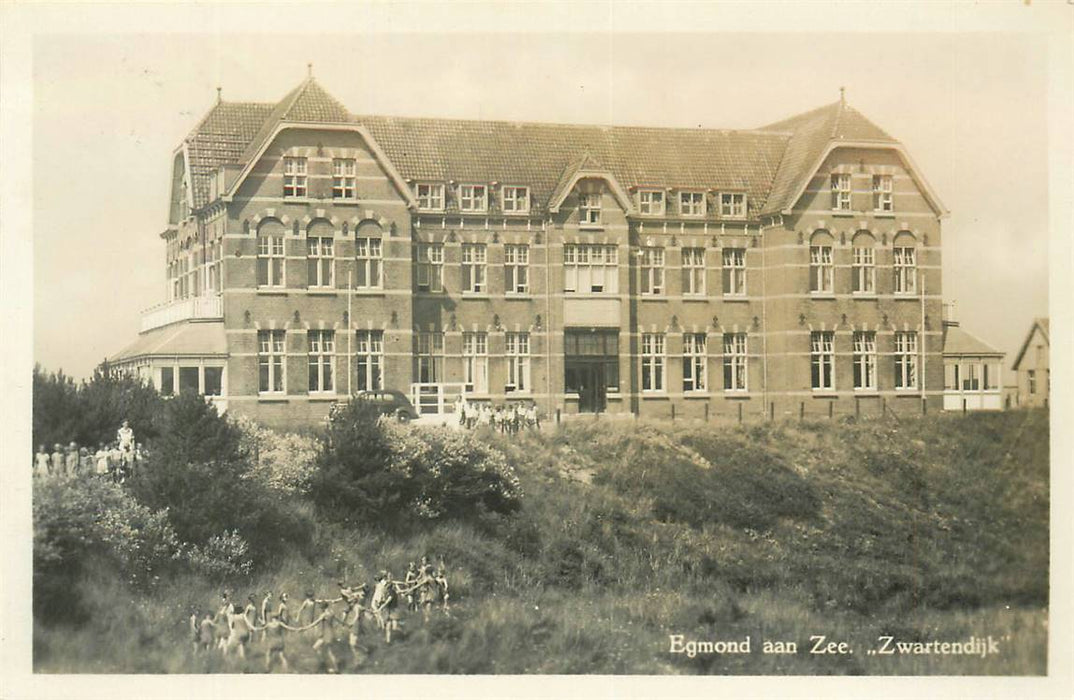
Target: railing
{"x":435,"y":398}
{"x":181,"y":310}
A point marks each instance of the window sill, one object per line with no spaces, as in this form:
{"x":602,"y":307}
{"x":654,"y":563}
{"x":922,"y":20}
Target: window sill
{"x":867,"y":392}
{"x":736,"y":393}
{"x":590,"y":295}
{"x":518,"y":296}
{"x":910,"y":392}
{"x":515,"y":213}
{"x":905,"y":295}
{"x":650,"y":296}
{"x":323,"y":396}
{"x":842,"y":212}
{"x":322,"y":292}
{"x":296,"y":200}
{"x":473,"y":212}
{"x":613,"y":396}
{"x":476,"y":295}
{"x":655,"y":395}
{"x":694,"y":297}
{"x":369,"y":291}
{"x":735,"y":297}
{"x":695,"y":394}
{"x":590,"y":227}
{"x":272,"y":291}
{"x":353,"y":201}
{"x":431,"y":211}
{"x":824,"y":394}
{"x":272,"y":398}
{"x":884,"y":214}
{"x":822,"y":295}
{"x":864,"y":296}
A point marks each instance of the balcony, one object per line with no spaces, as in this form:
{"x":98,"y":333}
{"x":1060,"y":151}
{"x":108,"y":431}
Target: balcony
{"x":205,"y":307}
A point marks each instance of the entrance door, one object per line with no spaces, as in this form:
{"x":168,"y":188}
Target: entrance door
{"x":591,"y":365}
{"x":592,"y":394}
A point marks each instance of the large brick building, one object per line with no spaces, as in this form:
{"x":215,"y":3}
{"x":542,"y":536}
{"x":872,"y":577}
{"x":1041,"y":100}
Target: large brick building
{"x":311,"y":253}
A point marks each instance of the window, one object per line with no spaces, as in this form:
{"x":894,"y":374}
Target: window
{"x":841,"y":191}
{"x":735,"y":362}
{"x":343,"y":178}
{"x":188,"y":380}
{"x":475,"y":356}
{"x":473,"y":198}
{"x":865,"y":360}
{"x":822,"y":357}
{"x":517,"y":349}
{"x":1031,"y":376}
{"x":270,"y":349}
{"x":322,"y":361}
{"x":734,"y":271}
{"x":694,"y":362}
{"x":950,"y":376}
{"x":652,"y":362}
{"x":820,"y":269}
{"x":370,"y":358}
{"x":733,"y":205}
{"x":589,"y":208}
{"x":369,"y":254}
{"x":906,"y":361}
{"x":167,"y":381}
{"x":651,"y":202}
{"x":591,"y":268}
{"x":882,"y":193}
{"x":270,"y":261}
{"x":864,"y":271}
{"x":971,"y":379}
{"x":473,"y":267}
{"x":652,"y":270}
{"x":294,"y":177}
{"x":430,"y":357}
{"x":516,"y":200}
{"x":214,"y":381}
{"x":430,"y":267}
{"x":516,"y":262}
{"x":431,"y":197}
{"x":905,"y":270}
{"x":320,"y":262}
{"x":693,"y":271}
{"x":991,"y":376}
{"x":692,"y":203}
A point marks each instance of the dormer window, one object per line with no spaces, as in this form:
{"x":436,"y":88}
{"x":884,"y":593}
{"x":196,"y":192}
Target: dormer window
{"x":473,"y":198}
{"x":516,"y":200}
{"x":430,"y":196}
{"x":589,"y":208}
{"x":294,"y":177}
{"x":651,"y":202}
{"x":733,"y":205}
{"x":344,"y":182}
{"x":692,"y":203}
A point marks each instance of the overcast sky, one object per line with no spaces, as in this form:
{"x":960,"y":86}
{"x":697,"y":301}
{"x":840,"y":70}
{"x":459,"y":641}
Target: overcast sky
{"x":109,"y":111}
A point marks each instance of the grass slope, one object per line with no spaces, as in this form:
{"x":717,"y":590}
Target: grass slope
{"x":928,"y":529}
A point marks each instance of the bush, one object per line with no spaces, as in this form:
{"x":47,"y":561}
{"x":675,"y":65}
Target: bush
{"x":223,"y":557}
{"x":283,"y":462}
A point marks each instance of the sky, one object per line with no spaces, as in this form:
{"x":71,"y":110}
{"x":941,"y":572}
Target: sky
{"x":109,"y":110}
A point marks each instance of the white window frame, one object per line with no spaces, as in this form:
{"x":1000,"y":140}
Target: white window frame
{"x":515,"y":199}
{"x":733,"y":205}
{"x":369,"y":260}
{"x":652,"y":271}
{"x":589,"y":208}
{"x":694,"y":363}
{"x":864,"y":270}
{"x":321,"y":261}
{"x":516,"y":263}
{"x":883,"y":194}
{"x":865,"y":361}
{"x":517,"y":351}
{"x":653,"y":363}
{"x":587,"y":266}
{"x":473,"y":198}
{"x":693,"y":272}
{"x":271,"y":259}
{"x":344,"y":178}
{"x":691,"y":203}
{"x":295,"y":177}
{"x":430,"y":196}
{"x":430,"y":356}
{"x":474,"y":268}
{"x":842,"y":189}
{"x":822,"y":360}
{"x":736,"y":359}
{"x":430,"y":277}
{"x":369,"y":360}
{"x":734,"y":272}
{"x":821,"y":269}
{"x":904,"y":267}
{"x":652,"y":202}
{"x":906,"y":374}
{"x":322,"y":361}
{"x":272,"y":356}
{"x":475,"y":359}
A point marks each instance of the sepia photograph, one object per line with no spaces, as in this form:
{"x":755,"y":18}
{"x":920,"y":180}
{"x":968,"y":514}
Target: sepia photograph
{"x":489,"y":352}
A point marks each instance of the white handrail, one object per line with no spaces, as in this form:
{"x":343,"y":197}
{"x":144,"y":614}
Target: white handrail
{"x":205,"y":307}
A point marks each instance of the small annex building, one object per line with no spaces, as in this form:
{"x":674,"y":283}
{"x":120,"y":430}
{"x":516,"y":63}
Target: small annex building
{"x":1032,"y":368}
{"x":972,"y":370}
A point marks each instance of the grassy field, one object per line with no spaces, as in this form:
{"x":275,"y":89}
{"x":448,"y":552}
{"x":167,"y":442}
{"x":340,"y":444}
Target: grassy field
{"x":934,"y":529}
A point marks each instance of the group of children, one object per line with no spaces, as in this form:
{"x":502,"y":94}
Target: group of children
{"x":116,"y":461}
{"x":233,"y":627}
{"x":506,"y":419}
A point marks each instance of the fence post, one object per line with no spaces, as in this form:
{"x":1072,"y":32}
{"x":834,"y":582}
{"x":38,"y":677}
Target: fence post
{"x":831,"y":409}
{"x":771,"y":410}
{"x":963,"y":405}
{"x":740,"y":414}
{"x":672,"y":413}
{"x":557,"y":416}
{"x":706,"y":412}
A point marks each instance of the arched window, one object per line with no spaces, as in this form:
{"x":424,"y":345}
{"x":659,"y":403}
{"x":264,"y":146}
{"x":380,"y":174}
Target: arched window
{"x":904,"y":261}
{"x":821,"y":268}
{"x":320,"y":255}
{"x":270,"y":257}
{"x":864,"y":269}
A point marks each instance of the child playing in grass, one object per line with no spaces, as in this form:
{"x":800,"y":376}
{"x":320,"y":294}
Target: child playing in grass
{"x":326,"y":623}
{"x":274,"y":631}
{"x":239,"y":626}
{"x":384,"y":604}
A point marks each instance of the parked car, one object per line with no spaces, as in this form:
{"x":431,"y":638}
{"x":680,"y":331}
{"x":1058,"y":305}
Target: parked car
{"x":389,"y":402}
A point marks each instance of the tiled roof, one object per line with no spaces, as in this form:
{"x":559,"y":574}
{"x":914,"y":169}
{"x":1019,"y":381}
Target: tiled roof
{"x":769,"y":164}
{"x":959,"y":342}
{"x":187,"y":338}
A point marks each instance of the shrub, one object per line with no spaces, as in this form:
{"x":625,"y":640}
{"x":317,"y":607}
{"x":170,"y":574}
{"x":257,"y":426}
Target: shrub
{"x":224,"y":556}
{"x":283,"y":462}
